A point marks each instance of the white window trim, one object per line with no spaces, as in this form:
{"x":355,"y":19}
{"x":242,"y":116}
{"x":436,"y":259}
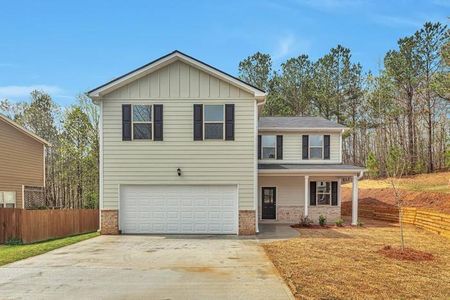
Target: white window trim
{"x":213,"y":122}
{"x":141,"y":122}
{"x":329,"y":193}
{"x":3,"y":203}
{"x":316,"y":147}
{"x":262,"y":148}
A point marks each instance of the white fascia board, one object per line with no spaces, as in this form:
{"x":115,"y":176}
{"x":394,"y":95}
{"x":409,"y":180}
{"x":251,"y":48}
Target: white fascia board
{"x":320,"y":129}
{"x":312,"y":171}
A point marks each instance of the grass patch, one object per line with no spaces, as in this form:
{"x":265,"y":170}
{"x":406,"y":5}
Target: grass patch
{"x":436,"y":182}
{"x":12,"y":253}
{"x":345,"y":263}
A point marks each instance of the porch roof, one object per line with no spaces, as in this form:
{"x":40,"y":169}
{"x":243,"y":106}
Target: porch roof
{"x":310,"y":168}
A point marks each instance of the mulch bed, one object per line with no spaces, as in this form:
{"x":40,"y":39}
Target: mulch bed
{"x":405,"y":254}
{"x":313,"y":226}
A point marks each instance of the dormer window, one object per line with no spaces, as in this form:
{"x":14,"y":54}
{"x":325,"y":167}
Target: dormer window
{"x":316,"y":146}
{"x":269,"y":146}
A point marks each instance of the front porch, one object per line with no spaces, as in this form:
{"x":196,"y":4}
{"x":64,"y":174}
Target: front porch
{"x":288,"y":192}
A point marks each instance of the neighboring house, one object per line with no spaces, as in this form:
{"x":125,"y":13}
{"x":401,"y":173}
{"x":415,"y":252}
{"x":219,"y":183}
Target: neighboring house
{"x":182,"y":152}
{"x":22,"y":164}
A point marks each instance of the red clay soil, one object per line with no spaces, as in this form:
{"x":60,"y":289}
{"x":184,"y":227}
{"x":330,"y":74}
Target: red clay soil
{"x":439,"y":202}
{"x":405,"y":254}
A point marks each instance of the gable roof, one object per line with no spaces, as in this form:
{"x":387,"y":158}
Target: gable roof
{"x":298,"y":123}
{"x":20,"y":128}
{"x":166,"y":60}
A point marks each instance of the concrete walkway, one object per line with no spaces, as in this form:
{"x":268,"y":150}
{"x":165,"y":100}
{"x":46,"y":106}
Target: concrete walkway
{"x":147,"y":267}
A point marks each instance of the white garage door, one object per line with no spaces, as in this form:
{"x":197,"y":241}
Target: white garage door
{"x":178,"y":209}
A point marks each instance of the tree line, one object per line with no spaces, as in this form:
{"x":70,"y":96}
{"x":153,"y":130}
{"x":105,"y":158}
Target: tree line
{"x":402,"y":109}
{"x":402,"y":112}
{"x":72,"y":161}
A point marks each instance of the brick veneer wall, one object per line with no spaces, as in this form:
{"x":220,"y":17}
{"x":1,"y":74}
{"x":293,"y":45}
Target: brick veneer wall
{"x":109,"y":222}
{"x":292,"y":214}
{"x":247,"y":222}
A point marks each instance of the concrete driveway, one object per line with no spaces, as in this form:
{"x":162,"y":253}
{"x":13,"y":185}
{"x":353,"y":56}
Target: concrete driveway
{"x":147,"y":267}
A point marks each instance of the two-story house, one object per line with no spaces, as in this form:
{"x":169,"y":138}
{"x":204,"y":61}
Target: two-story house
{"x":22,"y":165}
{"x":182,"y":150}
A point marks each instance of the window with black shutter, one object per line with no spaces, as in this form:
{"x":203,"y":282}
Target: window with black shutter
{"x":259,"y":146}
{"x":229,"y":122}
{"x":158,"y":122}
{"x":334,"y":193}
{"x":126,"y":122}
{"x":279,"y":147}
{"x":198,"y":122}
{"x":326,"y":147}
{"x":305,"y":147}
{"x":312,"y":193}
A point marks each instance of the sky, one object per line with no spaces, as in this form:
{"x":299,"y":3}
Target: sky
{"x":69,"y":47}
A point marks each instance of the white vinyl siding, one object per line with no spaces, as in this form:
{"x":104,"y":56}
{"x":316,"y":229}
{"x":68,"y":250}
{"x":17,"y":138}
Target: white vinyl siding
{"x":292,"y":148}
{"x":213,"y":162}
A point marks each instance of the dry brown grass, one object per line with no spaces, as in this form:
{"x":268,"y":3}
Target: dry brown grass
{"x":343,"y":263}
{"x":435,"y":182}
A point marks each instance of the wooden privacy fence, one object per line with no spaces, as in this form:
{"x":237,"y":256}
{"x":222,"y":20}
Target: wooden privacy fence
{"x":429,"y":220}
{"x":432,"y":221}
{"x":387,"y":213}
{"x":38,"y":225}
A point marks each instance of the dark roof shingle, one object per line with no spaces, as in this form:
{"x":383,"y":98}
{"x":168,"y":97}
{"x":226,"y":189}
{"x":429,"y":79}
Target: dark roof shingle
{"x":297,"y":122}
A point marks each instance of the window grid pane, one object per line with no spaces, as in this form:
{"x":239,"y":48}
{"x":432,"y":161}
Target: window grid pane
{"x":316,"y":140}
{"x":323,"y":193}
{"x":213,"y":113}
{"x":142,"y":113}
{"x":142,"y":131}
{"x":268,"y":152}
{"x":214,"y":131}
{"x":315,"y":152}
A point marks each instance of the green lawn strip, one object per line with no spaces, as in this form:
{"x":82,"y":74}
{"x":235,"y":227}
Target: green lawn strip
{"x":12,"y":253}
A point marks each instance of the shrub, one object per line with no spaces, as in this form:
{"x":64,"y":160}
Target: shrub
{"x":322,"y":220}
{"x":14,"y":241}
{"x":305,"y":221}
{"x":340,"y":223}
{"x":360,"y":224}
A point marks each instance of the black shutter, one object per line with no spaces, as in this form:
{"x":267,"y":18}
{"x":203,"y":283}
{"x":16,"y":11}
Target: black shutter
{"x":326,"y":147}
{"x":126,"y":122}
{"x":158,"y":122}
{"x":259,"y":147}
{"x":279,"y":147}
{"x":312,"y":193}
{"x":305,"y":147}
{"x":229,"y":122}
{"x":198,"y":122}
{"x":334,"y":193}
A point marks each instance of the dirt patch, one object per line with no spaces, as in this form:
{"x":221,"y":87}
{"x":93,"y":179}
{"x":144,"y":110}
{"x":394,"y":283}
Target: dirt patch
{"x":405,"y":254}
{"x":313,"y":226}
{"x":385,"y":198}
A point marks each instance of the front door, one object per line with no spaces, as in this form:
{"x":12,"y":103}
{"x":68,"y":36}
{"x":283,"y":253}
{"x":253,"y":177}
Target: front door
{"x":269,"y":202}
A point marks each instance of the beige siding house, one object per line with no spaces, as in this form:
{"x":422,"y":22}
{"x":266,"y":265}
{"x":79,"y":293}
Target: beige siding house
{"x":179,"y":153}
{"x":22,"y":162}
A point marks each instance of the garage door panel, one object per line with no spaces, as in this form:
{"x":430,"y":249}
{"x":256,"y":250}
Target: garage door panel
{"x":178,"y":209}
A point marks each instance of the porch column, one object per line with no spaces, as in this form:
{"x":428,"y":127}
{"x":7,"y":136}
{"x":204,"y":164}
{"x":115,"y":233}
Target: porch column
{"x":355,"y":201}
{"x":306,"y":195}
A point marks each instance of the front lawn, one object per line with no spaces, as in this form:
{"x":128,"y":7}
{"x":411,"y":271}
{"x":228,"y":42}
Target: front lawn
{"x":343,"y":263}
{"x":12,"y":253}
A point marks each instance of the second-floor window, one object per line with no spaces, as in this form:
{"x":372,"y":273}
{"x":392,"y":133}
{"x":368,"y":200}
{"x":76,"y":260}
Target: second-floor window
{"x":269,"y":146}
{"x":214,"y":122}
{"x":316,"y":146}
{"x":142,"y":122}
